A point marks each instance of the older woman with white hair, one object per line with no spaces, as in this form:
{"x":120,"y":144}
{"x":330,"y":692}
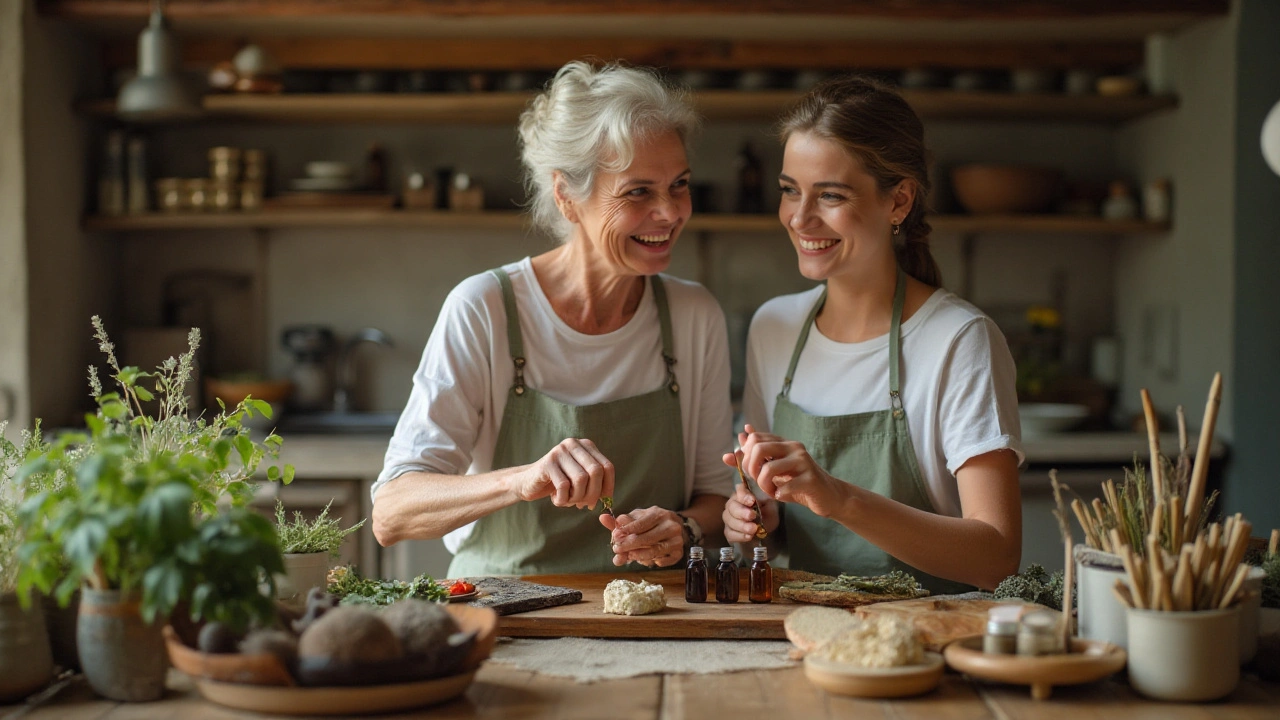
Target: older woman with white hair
{"x":581,"y":378}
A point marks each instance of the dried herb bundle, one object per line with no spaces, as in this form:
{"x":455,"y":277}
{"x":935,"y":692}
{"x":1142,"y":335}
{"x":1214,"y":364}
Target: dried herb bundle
{"x":896,"y":583}
{"x":1164,"y":499}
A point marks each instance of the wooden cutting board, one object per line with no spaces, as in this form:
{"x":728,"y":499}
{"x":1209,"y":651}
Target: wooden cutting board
{"x":741,"y":620}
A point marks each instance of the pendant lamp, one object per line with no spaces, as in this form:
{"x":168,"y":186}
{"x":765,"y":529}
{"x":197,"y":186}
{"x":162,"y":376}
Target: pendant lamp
{"x":157,"y":92}
{"x":1271,"y":138}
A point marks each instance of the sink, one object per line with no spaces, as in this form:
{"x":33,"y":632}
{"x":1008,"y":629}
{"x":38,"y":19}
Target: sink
{"x":375,"y":423}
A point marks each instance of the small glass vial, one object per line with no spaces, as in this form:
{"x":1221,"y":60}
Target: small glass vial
{"x":1001,"y":637}
{"x":695,"y":577}
{"x":760,"y":586}
{"x":1038,"y":634}
{"x":726,"y":577}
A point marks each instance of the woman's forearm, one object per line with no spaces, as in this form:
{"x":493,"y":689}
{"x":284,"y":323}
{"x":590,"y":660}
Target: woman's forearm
{"x":705,"y":510}
{"x":966,"y":550}
{"x":425,"y":506}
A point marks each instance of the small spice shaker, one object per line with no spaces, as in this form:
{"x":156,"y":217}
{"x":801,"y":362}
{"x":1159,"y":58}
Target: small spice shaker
{"x":1001,"y":637}
{"x":760,"y":585}
{"x":695,"y":577}
{"x":1155,"y":201}
{"x":1038,"y":634}
{"x":727,"y":577}
{"x":1119,"y":204}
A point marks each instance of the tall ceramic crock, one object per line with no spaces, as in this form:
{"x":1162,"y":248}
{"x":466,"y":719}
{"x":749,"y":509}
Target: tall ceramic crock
{"x":1100,"y":616}
{"x":1184,"y":656}
{"x":26,"y":662}
{"x":302,"y":571}
{"x":123,"y":657}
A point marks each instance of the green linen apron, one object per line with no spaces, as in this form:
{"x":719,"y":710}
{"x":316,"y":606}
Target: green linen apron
{"x":871,"y":450}
{"x":641,"y":435}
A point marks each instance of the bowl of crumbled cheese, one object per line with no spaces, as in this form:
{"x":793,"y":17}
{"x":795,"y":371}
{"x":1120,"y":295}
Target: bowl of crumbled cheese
{"x":881,"y":657}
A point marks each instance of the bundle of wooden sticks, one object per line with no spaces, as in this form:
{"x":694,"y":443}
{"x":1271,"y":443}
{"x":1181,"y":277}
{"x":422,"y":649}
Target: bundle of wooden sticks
{"x":1205,"y":575}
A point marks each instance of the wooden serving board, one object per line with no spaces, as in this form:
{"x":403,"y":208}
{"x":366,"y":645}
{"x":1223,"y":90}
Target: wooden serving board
{"x":741,"y":620}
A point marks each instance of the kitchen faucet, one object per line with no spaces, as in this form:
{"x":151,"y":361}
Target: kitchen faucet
{"x":342,"y":388}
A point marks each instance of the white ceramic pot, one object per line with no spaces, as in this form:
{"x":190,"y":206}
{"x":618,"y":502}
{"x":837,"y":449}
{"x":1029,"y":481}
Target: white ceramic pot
{"x":1250,"y":609}
{"x":303,"y":571}
{"x":1184,"y":656}
{"x":1100,"y":616}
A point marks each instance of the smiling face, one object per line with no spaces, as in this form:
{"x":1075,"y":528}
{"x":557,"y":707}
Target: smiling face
{"x":632,"y":218}
{"x":839,"y":221}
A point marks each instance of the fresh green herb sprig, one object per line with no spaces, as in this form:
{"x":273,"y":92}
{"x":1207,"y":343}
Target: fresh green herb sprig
{"x":353,"y":589}
{"x":324,"y":534}
{"x":1271,"y":583}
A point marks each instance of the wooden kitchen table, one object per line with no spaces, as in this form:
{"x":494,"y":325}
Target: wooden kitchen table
{"x":500,"y":692}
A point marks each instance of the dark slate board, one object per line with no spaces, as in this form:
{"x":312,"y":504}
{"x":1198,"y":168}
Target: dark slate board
{"x":508,"y":596}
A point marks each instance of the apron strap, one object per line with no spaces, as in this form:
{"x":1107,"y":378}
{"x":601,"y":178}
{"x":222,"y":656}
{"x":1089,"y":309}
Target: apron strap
{"x":804,"y":337}
{"x":664,"y":320}
{"x":514,"y":339}
{"x":895,"y":342}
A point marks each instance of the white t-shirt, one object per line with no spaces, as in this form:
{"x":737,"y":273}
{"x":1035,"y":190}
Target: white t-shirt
{"x":450,"y":424}
{"x":957,"y":381}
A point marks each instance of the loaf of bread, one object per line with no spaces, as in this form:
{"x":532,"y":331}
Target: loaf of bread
{"x":809,"y":627}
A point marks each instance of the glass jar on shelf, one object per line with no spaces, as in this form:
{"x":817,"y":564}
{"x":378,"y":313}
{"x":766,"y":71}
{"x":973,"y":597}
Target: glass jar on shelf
{"x":170,"y":194}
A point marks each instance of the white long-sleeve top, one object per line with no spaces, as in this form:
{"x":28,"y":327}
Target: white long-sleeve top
{"x":450,"y":424}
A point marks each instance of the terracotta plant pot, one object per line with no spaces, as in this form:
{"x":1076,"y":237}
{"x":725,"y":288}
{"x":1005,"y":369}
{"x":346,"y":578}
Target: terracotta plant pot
{"x":993,"y":189}
{"x":61,"y":622}
{"x":1184,"y":656}
{"x":26,"y":662}
{"x":123,"y":657}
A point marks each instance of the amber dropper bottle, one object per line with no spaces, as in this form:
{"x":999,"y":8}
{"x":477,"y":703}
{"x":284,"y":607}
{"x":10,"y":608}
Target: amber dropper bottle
{"x":727,"y":577}
{"x":760,"y":585}
{"x":695,"y":577}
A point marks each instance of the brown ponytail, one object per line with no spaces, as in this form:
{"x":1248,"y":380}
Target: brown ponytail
{"x":880,"y":129}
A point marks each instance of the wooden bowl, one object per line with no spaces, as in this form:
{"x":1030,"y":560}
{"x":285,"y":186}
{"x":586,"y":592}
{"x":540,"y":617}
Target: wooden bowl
{"x":846,"y":679}
{"x":233,"y":391}
{"x":267,"y":669}
{"x":1088,"y":661}
{"x":239,"y":668}
{"x":993,"y":189}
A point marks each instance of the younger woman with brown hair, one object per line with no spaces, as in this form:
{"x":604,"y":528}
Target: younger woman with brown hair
{"x":882,"y":418}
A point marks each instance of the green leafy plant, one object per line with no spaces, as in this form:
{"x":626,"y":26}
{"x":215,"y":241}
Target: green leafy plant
{"x":353,"y":589}
{"x":12,"y":493}
{"x":1271,"y":582}
{"x":136,"y":503}
{"x":324,"y":534}
{"x":1035,"y":585}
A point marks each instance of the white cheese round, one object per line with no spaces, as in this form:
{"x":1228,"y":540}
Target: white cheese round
{"x":623,"y":597}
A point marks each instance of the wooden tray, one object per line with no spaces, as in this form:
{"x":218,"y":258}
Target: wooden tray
{"x":741,"y":620}
{"x":335,"y":700}
{"x":846,"y":679}
{"x":1088,"y":661}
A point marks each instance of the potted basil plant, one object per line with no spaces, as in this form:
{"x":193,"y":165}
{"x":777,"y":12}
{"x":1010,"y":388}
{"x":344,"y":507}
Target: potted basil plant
{"x":141,"y":530}
{"x":309,"y":547}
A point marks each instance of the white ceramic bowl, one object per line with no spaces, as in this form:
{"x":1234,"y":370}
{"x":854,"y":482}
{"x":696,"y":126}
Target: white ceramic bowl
{"x":328,"y":169}
{"x":1047,"y":418}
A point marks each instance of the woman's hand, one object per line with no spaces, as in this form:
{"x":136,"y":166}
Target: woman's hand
{"x":574,"y":474}
{"x":786,"y":472}
{"x":653,"y":537}
{"x":740,"y":513}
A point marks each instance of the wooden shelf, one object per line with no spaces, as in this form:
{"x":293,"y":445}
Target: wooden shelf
{"x":507,"y":221}
{"x":715,"y":105}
